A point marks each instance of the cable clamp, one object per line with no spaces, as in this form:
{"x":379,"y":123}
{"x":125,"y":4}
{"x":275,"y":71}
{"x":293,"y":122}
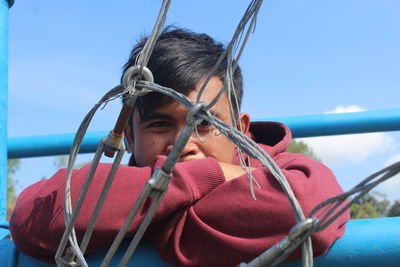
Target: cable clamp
{"x":158,"y":182}
{"x":301,"y":228}
{"x":132,"y":74}
{"x":192,"y":118}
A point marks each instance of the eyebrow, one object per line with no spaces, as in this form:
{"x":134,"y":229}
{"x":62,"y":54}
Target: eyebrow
{"x":216,"y":114}
{"x":155,"y":116}
{"x":163,"y":116}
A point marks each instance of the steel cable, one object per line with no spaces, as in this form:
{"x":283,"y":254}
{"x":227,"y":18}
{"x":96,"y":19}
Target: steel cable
{"x":322,"y":215}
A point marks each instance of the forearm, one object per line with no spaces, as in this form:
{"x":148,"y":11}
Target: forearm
{"x":232,"y":171}
{"x":37,"y":223}
{"x":237,"y":228}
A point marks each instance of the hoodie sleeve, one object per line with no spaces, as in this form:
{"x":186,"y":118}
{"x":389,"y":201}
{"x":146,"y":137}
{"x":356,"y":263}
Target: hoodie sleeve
{"x":227,"y":226}
{"x":37,"y":222}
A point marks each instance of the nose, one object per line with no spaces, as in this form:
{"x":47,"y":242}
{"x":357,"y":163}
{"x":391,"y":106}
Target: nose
{"x":191,"y":150}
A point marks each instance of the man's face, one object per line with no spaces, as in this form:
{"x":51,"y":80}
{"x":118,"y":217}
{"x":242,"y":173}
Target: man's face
{"x":156,"y":134}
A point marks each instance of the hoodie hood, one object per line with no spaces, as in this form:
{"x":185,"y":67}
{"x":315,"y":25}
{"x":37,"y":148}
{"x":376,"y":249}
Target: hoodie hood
{"x":273,"y":137}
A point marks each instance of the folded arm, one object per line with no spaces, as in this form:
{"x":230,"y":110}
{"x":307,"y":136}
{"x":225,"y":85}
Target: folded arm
{"x":227,"y":226}
{"x":37,"y":222}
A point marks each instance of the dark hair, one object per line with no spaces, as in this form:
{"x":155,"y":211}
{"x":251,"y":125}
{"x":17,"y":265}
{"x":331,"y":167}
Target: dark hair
{"x":179,"y":60}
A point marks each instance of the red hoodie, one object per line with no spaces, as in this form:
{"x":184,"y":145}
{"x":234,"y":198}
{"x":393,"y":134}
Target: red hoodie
{"x":203,"y":219}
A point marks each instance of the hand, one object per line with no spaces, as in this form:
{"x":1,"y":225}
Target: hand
{"x":232,"y":171}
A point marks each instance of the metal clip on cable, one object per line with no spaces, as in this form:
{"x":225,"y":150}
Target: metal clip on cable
{"x":131,"y":75}
{"x":68,"y":260}
{"x":283,"y":248}
{"x":119,"y":146}
{"x":191,"y":118}
{"x":192,"y":121}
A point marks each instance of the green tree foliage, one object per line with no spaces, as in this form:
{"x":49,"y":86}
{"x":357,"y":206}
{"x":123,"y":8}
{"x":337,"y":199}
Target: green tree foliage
{"x":301,"y":147}
{"x":371,"y":205}
{"x":13,"y":167}
{"x":394,"y":209}
{"x":366,"y":210}
{"x":60,"y":162}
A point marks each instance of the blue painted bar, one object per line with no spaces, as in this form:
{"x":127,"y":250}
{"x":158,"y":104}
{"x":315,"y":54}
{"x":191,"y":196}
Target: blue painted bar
{"x":4,"y":231}
{"x":3,"y":106}
{"x":367,"y":243}
{"x":301,"y":126}
{"x":47,"y":145}
{"x":342,"y":123}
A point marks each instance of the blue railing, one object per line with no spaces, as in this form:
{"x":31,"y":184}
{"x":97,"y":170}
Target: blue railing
{"x":301,"y":126}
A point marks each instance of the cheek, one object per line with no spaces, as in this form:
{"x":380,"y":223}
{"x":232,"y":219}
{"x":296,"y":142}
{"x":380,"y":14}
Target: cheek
{"x":220,"y":148}
{"x":145,"y":151}
{"x":147,"y":146}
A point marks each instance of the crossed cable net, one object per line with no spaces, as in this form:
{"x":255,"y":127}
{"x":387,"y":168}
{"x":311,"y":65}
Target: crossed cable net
{"x":138,"y":81}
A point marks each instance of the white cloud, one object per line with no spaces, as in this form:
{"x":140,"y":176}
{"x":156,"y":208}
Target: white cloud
{"x":351,"y":148}
{"x":345,"y":109}
{"x":391,"y":187}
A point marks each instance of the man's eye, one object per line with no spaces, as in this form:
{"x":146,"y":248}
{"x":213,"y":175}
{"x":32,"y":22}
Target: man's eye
{"x":159,"y":124}
{"x":205,"y":124}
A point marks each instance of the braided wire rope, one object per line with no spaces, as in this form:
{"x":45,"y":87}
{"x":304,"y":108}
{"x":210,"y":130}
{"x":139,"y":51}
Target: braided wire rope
{"x":317,"y":220}
{"x":251,"y":11}
{"x":71,"y":214}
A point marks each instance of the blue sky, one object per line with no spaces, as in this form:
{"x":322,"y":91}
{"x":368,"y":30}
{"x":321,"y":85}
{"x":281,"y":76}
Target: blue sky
{"x":305,"y":57}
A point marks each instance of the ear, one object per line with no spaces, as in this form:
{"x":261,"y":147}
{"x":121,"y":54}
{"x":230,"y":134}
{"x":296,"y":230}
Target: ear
{"x":243,"y":123}
{"x":129,"y":137}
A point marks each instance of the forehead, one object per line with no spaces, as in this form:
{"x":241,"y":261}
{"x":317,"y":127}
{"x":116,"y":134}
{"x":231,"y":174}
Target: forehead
{"x":211,"y":90}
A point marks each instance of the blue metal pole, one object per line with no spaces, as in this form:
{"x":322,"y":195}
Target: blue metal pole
{"x":301,"y":126}
{"x":4,"y":6}
{"x":366,"y":242}
{"x":342,"y":123}
{"x":47,"y":145}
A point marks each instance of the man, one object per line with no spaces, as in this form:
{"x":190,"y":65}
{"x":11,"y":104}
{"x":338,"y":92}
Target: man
{"x":208,"y":216}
